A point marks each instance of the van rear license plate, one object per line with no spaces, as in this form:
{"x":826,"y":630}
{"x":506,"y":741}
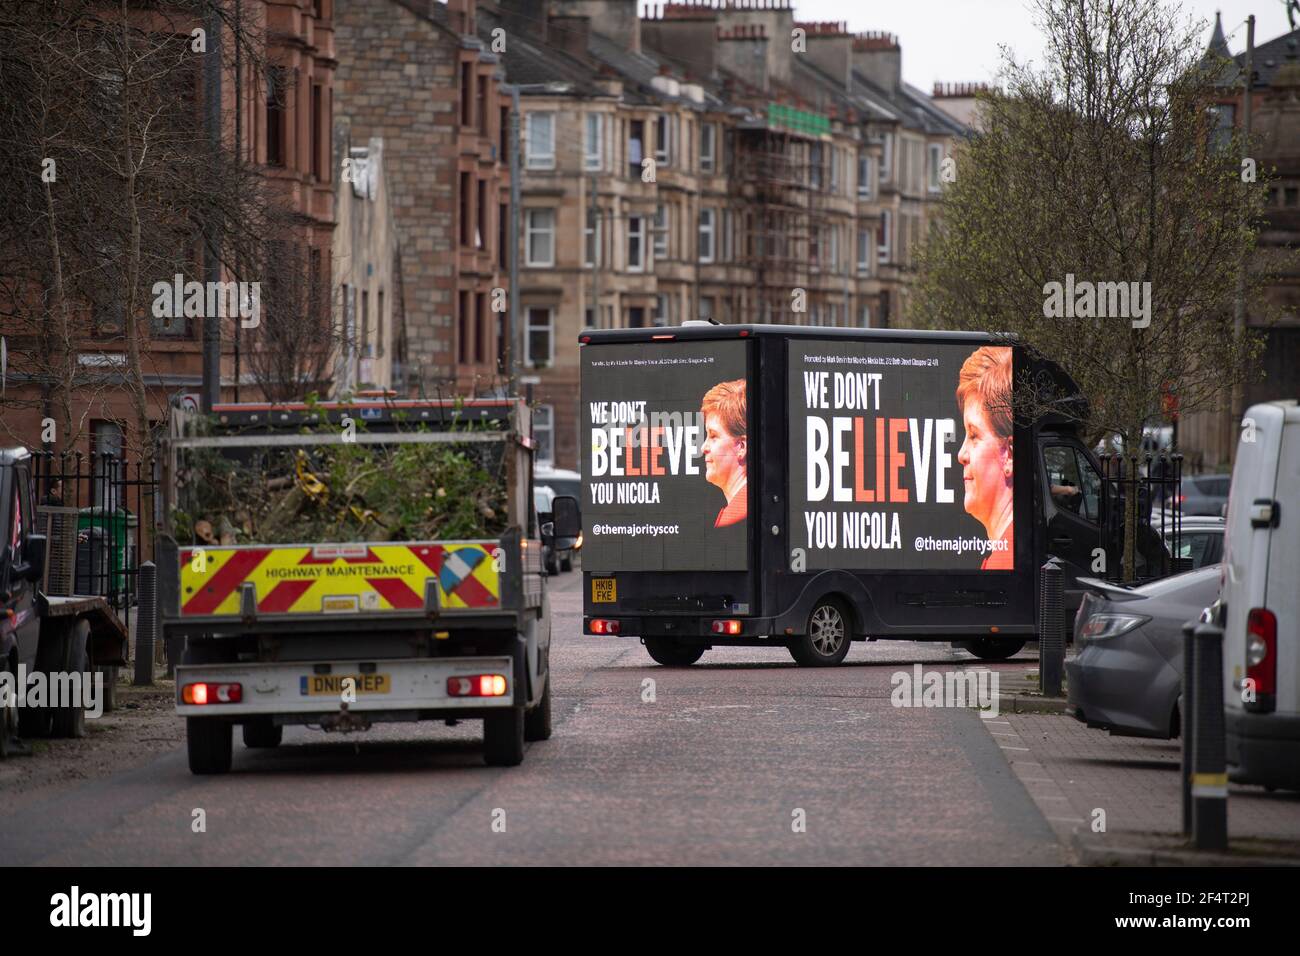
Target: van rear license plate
{"x":334,"y":603}
{"x":603,"y":591}
{"x":331,"y":685}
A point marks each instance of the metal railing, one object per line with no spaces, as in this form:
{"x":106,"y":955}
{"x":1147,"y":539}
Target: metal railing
{"x":90,"y":507}
{"x":1155,"y":481}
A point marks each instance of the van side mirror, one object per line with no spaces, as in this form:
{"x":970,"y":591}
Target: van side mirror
{"x":564,"y":511}
{"x":34,"y":558}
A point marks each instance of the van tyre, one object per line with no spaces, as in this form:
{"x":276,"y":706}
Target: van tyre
{"x":669,"y":653}
{"x":264,"y":733}
{"x":503,"y":738}
{"x":827,"y":638}
{"x":537,"y":722}
{"x":71,"y":721}
{"x":209,"y":742}
{"x":10,"y":717}
{"x":992,"y":649}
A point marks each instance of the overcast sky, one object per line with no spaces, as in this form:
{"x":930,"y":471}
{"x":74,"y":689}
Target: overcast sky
{"x":957,"y":40}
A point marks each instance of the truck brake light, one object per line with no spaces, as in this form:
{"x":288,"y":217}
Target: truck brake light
{"x":206,"y":693}
{"x":1261,"y":658}
{"x":726,"y":627}
{"x":477,"y":685}
{"x":602,"y":625}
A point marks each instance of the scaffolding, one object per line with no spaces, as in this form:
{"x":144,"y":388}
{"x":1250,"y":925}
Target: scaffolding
{"x":782,"y":171}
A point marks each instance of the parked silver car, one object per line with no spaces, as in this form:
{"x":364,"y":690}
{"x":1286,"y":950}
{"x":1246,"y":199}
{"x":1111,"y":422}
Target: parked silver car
{"x":1127,"y":672}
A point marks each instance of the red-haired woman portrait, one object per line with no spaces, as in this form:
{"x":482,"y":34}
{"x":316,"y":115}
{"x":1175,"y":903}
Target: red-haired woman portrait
{"x":984,"y":397}
{"x":726,"y":448}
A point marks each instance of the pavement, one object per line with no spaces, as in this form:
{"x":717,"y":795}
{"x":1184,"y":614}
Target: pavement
{"x":1118,"y":800}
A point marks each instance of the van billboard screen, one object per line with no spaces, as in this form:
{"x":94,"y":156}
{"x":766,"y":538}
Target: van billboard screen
{"x":665,"y":457}
{"x":901,"y":456}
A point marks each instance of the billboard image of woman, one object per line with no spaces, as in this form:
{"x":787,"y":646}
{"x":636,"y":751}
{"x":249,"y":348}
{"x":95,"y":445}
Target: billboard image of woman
{"x":984,"y":397}
{"x":726,"y":448}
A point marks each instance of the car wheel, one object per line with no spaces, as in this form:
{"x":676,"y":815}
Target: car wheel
{"x":669,"y":653}
{"x":827,"y":637}
{"x":70,"y":721}
{"x":537,"y":722}
{"x":991,"y":649}
{"x":503,"y":738}
{"x":209,"y":742}
{"x":262,"y":733}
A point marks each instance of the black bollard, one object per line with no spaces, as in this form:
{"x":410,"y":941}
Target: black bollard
{"x":146,"y":627}
{"x":1210,"y":773}
{"x":1187,"y":718}
{"x":1051,"y":629}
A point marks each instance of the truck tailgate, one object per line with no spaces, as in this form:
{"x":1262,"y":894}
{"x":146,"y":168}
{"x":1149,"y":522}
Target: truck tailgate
{"x":300,"y":579}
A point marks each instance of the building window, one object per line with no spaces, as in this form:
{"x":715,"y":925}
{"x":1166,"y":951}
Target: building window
{"x":662,"y":307}
{"x":540,"y":238}
{"x":539,"y":343}
{"x":1221,"y":135}
{"x":503,"y":338}
{"x":661,"y":231}
{"x":663,"y":140}
{"x":467,"y":94}
{"x":883,"y":235}
{"x":706,"y":234}
{"x":109,"y":439}
{"x":463,"y":328}
{"x":483,"y":105}
{"x":503,"y":235}
{"x":815,"y":165}
{"x":1289,"y":195}
{"x":365,"y":324}
{"x":864,"y":317}
{"x":482,"y":214}
{"x":635,"y":317}
{"x":480,"y":329}
{"x":864,"y":252}
{"x":379,"y":326}
{"x":466,"y":217}
{"x":706,"y":307}
{"x":591,"y":239}
{"x":276,"y":103}
{"x":864,"y":176}
{"x":635,"y":147}
{"x":835,"y":171}
{"x":936,"y":159}
{"x":835,"y":248}
{"x":317,"y":130}
{"x":886,"y":156}
{"x":544,"y":433}
{"x":503,"y":135}
{"x":540,"y":151}
{"x":592,"y":152}
{"x":635,"y":244}
{"x":708,"y":147}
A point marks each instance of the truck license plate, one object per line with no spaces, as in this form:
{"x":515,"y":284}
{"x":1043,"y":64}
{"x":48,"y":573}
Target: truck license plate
{"x":603,"y":591}
{"x":331,"y":685}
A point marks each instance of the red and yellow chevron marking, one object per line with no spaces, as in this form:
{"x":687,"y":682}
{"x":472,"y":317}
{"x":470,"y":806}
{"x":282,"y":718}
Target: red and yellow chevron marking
{"x":300,"y":579}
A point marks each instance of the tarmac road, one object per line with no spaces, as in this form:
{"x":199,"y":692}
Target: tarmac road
{"x":721,"y":767}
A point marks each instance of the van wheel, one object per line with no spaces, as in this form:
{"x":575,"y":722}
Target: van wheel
{"x":10,"y":716}
{"x":209,"y":742}
{"x":70,"y":721}
{"x":262,"y":733}
{"x":669,"y":653}
{"x":537,"y":722}
{"x":992,"y":649}
{"x":503,"y":738}
{"x":827,"y":638}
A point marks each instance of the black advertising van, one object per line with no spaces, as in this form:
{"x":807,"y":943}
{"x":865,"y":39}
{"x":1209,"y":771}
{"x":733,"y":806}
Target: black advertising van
{"x":805,"y":487}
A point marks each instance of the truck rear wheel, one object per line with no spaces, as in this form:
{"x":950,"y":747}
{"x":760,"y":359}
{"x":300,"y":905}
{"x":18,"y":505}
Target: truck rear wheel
{"x":503,"y":738}
{"x":209,"y":742}
{"x":70,"y":721}
{"x":827,"y":637}
{"x":262,"y":732}
{"x":666,"y":651}
{"x":991,"y":649}
{"x":537,"y":722}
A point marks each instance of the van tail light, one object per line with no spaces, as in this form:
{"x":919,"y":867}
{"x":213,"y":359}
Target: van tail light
{"x":726,"y":627}
{"x":477,"y":685}
{"x":210,"y":693}
{"x":1261,"y":659}
{"x":602,"y":625}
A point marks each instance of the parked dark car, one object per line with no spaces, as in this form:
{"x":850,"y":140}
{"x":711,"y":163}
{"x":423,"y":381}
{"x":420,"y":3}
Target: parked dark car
{"x":1201,"y":495}
{"x":1127,"y":673}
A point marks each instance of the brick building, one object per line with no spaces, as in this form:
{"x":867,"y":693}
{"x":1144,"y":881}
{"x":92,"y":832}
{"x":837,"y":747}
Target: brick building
{"x":416,"y":75}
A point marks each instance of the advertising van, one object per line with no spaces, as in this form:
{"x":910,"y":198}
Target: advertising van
{"x":806,"y":487}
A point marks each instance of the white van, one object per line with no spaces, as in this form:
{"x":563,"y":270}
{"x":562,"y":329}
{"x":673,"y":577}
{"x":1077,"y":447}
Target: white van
{"x":1261,"y":600}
